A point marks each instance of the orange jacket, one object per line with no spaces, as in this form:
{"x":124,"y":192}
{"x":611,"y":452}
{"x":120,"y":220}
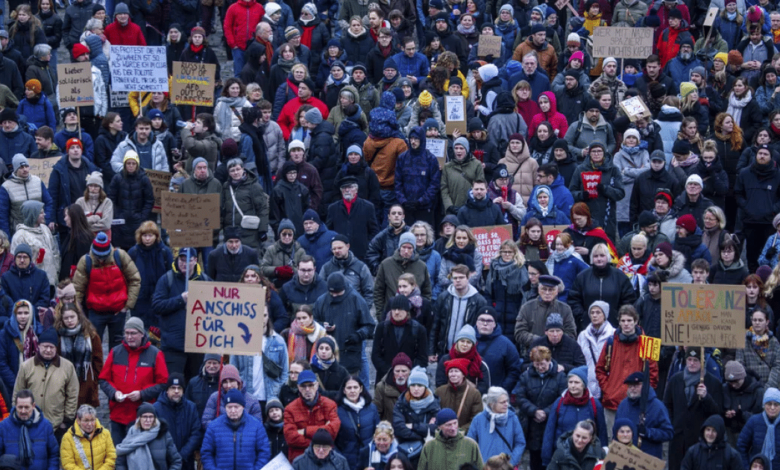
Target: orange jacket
{"x":381,"y":155}
{"x":623,"y":361}
{"x":299,"y":416}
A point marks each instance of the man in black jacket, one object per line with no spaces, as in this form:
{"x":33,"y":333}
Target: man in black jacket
{"x":573,"y":97}
{"x":304,"y":288}
{"x":386,"y":241}
{"x":449,"y":315}
{"x":228,"y":261}
{"x":183,"y":419}
{"x":479,"y":210}
{"x":201,"y":387}
{"x":353,"y":217}
{"x":10,"y":75}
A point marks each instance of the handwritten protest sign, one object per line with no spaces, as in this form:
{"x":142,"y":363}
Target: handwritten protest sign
{"x":193,"y":238}
{"x":590,"y":182}
{"x":622,"y":457}
{"x":649,"y":347}
{"x":635,"y":108}
{"x":279,"y":462}
{"x":489,"y":45}
{"x":438,"y":147}
{"x":224,"y":318}
{"x":712,"y":13}
{"x":489,"y":240}
{"x":703,"y":315}
{"x":622,"y":43}
{"x":74,"y":84}
{"x":42,"y":167}
{"x":193,"y":83}
{"x":190,"y":211}
{"x":455,"y":114}
{"x":118,"y":99}
{"x":161,"y":181}
{"x":138,"y":68}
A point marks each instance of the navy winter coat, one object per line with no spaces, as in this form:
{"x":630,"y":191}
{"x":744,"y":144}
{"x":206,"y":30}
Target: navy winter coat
{"x":317,"y":244}
{"x":758,"y":194}
{"x":658,"y":426}
{"x":15,"y":142}
{"x":183,"y":425}
{"x":480,"y":213}
{"x":537,"y":392}
{"x":105,"y":144}
{"x":359,"y":224}
{"x":501,"y":357}
{"x":243,"y":448}
{"x":9,"y":352}
{"x":133,"y":202}
{"x":40,"y":113}
{"x":30,"y":284}
{"x":507,"y":305}
{"x":62,"y":137}
{"x":152,"y":263}
{"x":356,"y":432}
{"x":564,"y":418}
{"x":323,"y":156}
{"x":168,"y":303}
{"x":417,"y":175}
{"x":403,"y":414}
{"x":567,"y":270}
{"x":59,"y":187}
{"x":45,"y":450}
{"x":293,"y":293}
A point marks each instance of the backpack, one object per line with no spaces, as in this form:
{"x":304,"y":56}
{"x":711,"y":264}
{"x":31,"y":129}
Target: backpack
{"x":117,"y":261}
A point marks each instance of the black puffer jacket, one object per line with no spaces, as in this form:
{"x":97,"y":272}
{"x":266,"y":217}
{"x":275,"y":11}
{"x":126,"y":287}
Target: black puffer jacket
{"x":22,"y":40}
{"x":403,"y":414}
{"x":608,"y":284}
{"x":745,"y":400}
{"x":720,"y":455}
{"x":11,"y":76}
{"x":357,"y":47}
{"x":603,"y":208}
{"x":646,"y":185}
{"x":105,"y":144}
{"x":52,"y":28}
{"x":566,"y":353}
{"x":251,"y":201}
{"x":534,"y":392}
{"x":324,"y":157}
{"x":758,"y":192}
{"x":133,"y":202}
{"x":716,"y":181}
{"x":76,"y":16}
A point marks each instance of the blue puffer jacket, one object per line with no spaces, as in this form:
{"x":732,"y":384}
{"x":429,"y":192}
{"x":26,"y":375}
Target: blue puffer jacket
{"x":245,"y":448}
{"x":554,"y":215}
{"x":167,"y":303}
{"x":9,"y":353}
{"x":183,"y":425}
{"x":508,"y":32}
{"x":562,"y":196}
{"x":658,"y":427}
{"x":152,"y":263}
{"x":275,"y":349}
{"x":40,"y":113}
{"x":356,"y":432}
{"x":45,"y":450}
{"x":564,"y":418}
{"x":729,"y":30}
{"x":416,"y":65}
{"x":490,"y":444}
{"x":501,"y":357}
{"x":751,"y":440}
{"x":680,"y":70}
{"x":210,"y":412}
{"x":417,"y":175}
{"x":61,"y":138}
{"x":317,"y":244}
{"x":567,"y":270}
{"x":98,"y":59}
{"x":30,"y":284}
{"x":15,"y":142}
{"x":507,"y":305}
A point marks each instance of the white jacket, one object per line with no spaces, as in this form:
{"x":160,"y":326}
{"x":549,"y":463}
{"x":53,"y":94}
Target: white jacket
{"x":591,"y":349}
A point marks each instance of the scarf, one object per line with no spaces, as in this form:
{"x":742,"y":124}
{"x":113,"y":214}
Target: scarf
{"x":691,"y":382}
{"x":297,"y":338}
{"x":356,"y":407}
{"x":396,"y":322}
{"x":321,"y":363}
{"x":566,"y":254}
{"x":286,"y":64}
{"x":763,"y":171}
{"x":735,"y":138}
{"x":760,"y":343}
{"x":465,"y":31}
{"x":475,"y":360}
{"x":197,"y":49}
{"x":632,"y":151}
{"x":416,"y":299}
{"x":508,"y":274}
{"x":26,"y":452}
{"x":77,"y":348}
{"x":769,"y":440}
{"x":418,"y":405}
{"x":736,"y":105}
{"x":225,"y":117}
{"x":136,"y":446}
{"x":463,"y":255}
{"x":499,"y":419}
{"x":570,"y":400}
{"x":731,"y":16}
{"x":30,"y":342}
{"x":308,"y":32}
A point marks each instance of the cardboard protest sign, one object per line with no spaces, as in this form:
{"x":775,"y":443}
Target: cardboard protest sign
{"x":703,"y":315}
{"x":74,"y":84}
{"x":709,"y":20}
{"x":42,"y":167}
{"x":118,"y":99}
{"x":138,"y":68}
{"x":489,"y":45}
{"x":190,"y":211}
{"x":622,"y":457}
{"x":635,"y":108}
{"x":455,"y":114}
{"x":193,"y":83}
{"x":590,"y":182}
{"x":550,"y":232}
{"x":161,"y":181}
{"x":193,"y":238}
{"x":622,"y":43}
{"x":438,"y":147}
{"x":279,"y":462}
{"x":649,"y":347}
{"x":489,"y":240}
{"x":224,"y":318}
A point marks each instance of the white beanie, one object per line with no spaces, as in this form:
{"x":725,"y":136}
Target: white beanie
{"x":487,"y":72}
{"x":631,"y":133}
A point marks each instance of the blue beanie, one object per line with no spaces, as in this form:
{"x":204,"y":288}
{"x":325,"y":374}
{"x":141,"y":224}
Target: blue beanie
{"x":311,"y":214}
{"x":445,"y":416}
{"x":771,"y":394}
{"x":354,"y":149}
{"x":581,"y":372}
{"x":619,"y":423}
{"x":235,"y":396}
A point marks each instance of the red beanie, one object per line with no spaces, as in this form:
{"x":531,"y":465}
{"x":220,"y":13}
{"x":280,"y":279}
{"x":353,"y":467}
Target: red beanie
{"x":687,"y":222}
{"x":461,"y":364}
{"x":401,"y":359}
{"x":79,"y":50}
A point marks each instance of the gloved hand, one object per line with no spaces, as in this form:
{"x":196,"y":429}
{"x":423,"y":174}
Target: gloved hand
{"x":489,"y":58}
{"x":771,"y":253}
{"x":585,"y":195}
{"x":284,"y":272}
{"x":600,"y":188}
{"x":641,"y":429}
{"x":354,"y":338}
{"x":453,"y":210}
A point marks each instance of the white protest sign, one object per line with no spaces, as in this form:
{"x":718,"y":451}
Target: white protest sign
{"x":437,"y":147}
{"x":139,"y":68}
{"x":278,"y":463}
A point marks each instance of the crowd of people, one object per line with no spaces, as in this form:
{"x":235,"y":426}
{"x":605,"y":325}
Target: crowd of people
{"x":393,"y":340}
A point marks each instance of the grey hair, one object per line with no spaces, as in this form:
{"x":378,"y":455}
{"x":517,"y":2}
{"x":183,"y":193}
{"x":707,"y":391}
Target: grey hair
{"x":600,"y":248}
{"x":92,"y":24}
{"x":235,"y":161}
{"x":86,"y":410}
{"x":639,"y":238}
{"x":493,"y":395}
{"x":41,"y":50}
{"x":719,"y":214}
{"x":428,"y":231}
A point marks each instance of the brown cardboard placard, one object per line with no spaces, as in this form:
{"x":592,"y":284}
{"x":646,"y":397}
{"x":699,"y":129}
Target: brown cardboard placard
{"x":224,"y":318}
{"x":624,"y":458}
{"x":709,"y":20}
{"x":455,"y":114}
{"x":635,"y":108}
{"x":190,"y":211}
{"x":707,"y":315}
{"x":42,"y":167}
{"x":192,"y":238}
{"x":193,"y":83}
{"x":438,"y":147}
{"x":489,"y":45}
{"x":489,"y":240}
{"x":623,"y":43}
{"x":161,"y":181}
{"x":74,"y":85}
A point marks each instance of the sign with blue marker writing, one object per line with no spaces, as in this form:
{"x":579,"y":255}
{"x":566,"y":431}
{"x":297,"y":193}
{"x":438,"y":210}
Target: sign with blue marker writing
{"x":193,"y":83}
{"x":224,"y":318}
{"x":703,"y":315}
{"x":74,"y":84}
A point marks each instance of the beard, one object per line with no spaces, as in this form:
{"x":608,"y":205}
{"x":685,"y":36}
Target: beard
{"x":685,"y":55}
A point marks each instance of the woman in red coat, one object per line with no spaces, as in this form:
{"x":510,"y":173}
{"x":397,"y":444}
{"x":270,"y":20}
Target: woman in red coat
{"x":549,"y":107}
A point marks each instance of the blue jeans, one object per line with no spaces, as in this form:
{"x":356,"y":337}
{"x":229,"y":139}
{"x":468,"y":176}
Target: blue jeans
{"x":114,"y":322}
{"x":238,"y":61}
{"x":364,"y":375}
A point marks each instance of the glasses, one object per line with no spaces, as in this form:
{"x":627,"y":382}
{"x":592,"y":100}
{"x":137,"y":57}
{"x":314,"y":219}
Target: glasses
{"x":287,"y":235}
{"x":319,"y":447}
{"x":486,"y":321}
{"x":133,"y":333}
{"x":507,"y":252}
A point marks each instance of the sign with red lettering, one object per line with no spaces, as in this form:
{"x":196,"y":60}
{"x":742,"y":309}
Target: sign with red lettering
{"x":224,"y":318}
{"x":489,"y":240}
{"x":649,"y":347}
{"x":590,"y":181}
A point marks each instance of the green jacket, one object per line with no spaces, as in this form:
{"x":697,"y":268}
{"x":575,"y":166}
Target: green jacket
{"x":444,"y":452}
{"x":457,"y":178}
{"x":386,"y":284}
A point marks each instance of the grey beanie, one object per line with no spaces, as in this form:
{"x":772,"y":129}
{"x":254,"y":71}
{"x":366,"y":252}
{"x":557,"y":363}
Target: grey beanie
{"x":199,"y":160}
{"x":462,"y":141}
{"x":602,"y":305}
{"x":23,"y":248}
{"x":418,"y":377}
{"x":406,"y":237}
{"x":19,"y":160}
{"x":313,"y":116}
{"x":30,"y":211}
{"x":286,"y":224}
{"x":135,"y":323}
{"x":121,"y":8}
{"x":467,"y":332}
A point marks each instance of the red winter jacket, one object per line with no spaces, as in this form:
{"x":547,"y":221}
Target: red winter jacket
{"x":127,"y":370}
{"x":240,"y":21}
{"x":299,"y":416}
{"x":663,"y":14}
{"x":615,"y":364}
{"x":555,"y":118}
{"x":127,"y":35}
{"x":668,"y":45}
{"x":287,"y":117}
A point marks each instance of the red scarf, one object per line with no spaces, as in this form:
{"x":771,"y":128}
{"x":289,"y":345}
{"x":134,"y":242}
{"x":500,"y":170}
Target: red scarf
{"x":775,"y":129}
{"x":308,"y":32}
{"x":293,"y":86}
{"x":348,"y":204}
{"x":475,"y":360}
{"x":374,"y":34}
{"x":398,"y":323}
{"x":568,"y":399}
{"x":197,"y":49}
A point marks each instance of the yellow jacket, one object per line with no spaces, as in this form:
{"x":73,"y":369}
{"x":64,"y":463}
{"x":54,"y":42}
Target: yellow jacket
{"x":464,"y":90}
{"x":99,"y":450}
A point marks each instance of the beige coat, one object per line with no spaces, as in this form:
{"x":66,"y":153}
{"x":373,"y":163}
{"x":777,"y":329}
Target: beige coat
{"x":522,"y":170}
{"x":100,"y":216}
{"x":453,"y":397}
{"x":56,"y":388}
